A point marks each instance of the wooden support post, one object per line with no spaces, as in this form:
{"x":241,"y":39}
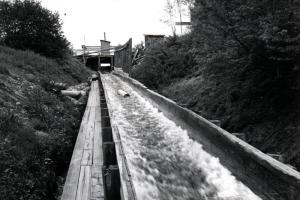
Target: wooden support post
{"x":103,"y":105}
{"x":102,"y":94}
{"x":107,"y":134}
{"x":109,"y":154}
{"x":105,"y":122}
{"x":102,"y":101}
{"x":112,"y":185}
{"x":104,"y":112}
{"x":112,"y":63}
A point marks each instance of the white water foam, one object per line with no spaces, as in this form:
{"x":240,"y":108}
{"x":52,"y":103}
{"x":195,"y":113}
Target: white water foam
{"x":216,"y":174}
{"x":177,"y":140}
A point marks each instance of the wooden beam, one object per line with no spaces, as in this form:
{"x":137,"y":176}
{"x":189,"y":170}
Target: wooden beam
{"x":84,"y":183}
{"x":183,"y":23}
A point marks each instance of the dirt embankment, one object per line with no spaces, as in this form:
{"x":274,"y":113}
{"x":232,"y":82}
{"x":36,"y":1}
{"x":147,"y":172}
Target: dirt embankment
{"x":38,"y":126}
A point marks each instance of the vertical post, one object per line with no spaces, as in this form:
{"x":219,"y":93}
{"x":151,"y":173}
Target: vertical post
{"x":83,"y":55}
{"x":111,"y":62}
{"x":112,"y":184}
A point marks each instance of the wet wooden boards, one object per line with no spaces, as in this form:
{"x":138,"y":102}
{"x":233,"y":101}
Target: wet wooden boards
{"x":84,"y":180}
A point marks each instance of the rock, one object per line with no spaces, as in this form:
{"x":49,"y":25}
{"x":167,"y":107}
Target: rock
{"x":82,"y":100}
{"x":216,"y":122}
{"x":74,"y":101}
{"x":81,"y":86}
{"x":123,"y":93}
{"x":83,"y":93}
{"x":41,"y":134}
{"x":94,"y":77}
{"x":276,"y":156}
{"x":30,"y":77}
{"x":241,"y":136}
{"x":60,"y":86}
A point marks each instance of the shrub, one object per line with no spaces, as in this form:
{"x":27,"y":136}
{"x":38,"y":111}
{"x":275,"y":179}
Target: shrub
{"x":165,"y":62}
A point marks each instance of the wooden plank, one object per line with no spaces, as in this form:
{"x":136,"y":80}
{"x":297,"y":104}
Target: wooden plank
{"x":183,"y":23}
{"x":88,"y":143}
{"x":97,"y":114}
{"x":95,"y":103}
{"x":98,"y":154}
{"x":93,"y":95}
{"x":97,"y":92}
{"x":84,"y":185}
{"x":80,"y":138}
{"x":85,"y":171}
{"x":89,"y":129}
{"x":89,"y":135}
{"x":92,"y":115}
{"x":86,"y":114}
{"x":90,"y":95}
{"x":97,"y":189}
{"x":73,"y":176}
{"x":80,"y":142}
{"x":87,"y":157}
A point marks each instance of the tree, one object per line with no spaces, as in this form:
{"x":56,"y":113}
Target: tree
{"x":170,"y":10}
{"x":258,"y":29}
{"x":176,"y":9}
{"x":28,"y":25}
{"x":259,"y":35}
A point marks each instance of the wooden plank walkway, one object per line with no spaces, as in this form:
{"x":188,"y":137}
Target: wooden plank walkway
{"x":84,"y":180}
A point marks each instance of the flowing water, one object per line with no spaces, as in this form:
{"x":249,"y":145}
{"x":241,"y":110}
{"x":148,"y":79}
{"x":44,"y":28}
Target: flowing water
{"x":164,"y":162}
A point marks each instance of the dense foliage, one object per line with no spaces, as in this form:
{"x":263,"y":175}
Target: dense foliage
{"x":259,"y":39}
{"x":239,"y":63}
{"x":165,"y":62}
{"x":25,"y":24}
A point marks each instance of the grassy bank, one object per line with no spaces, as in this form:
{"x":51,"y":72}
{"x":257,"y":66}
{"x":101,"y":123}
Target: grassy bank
{"x":38,"y":127}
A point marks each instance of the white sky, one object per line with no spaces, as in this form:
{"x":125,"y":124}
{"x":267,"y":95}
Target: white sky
{"x":120,"y":19}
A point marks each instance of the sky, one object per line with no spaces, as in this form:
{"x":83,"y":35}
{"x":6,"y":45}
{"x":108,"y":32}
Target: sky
{"x":87,"y":20}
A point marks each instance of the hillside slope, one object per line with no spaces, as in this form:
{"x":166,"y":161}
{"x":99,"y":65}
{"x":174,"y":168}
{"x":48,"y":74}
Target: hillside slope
{"x":38,"y":126}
